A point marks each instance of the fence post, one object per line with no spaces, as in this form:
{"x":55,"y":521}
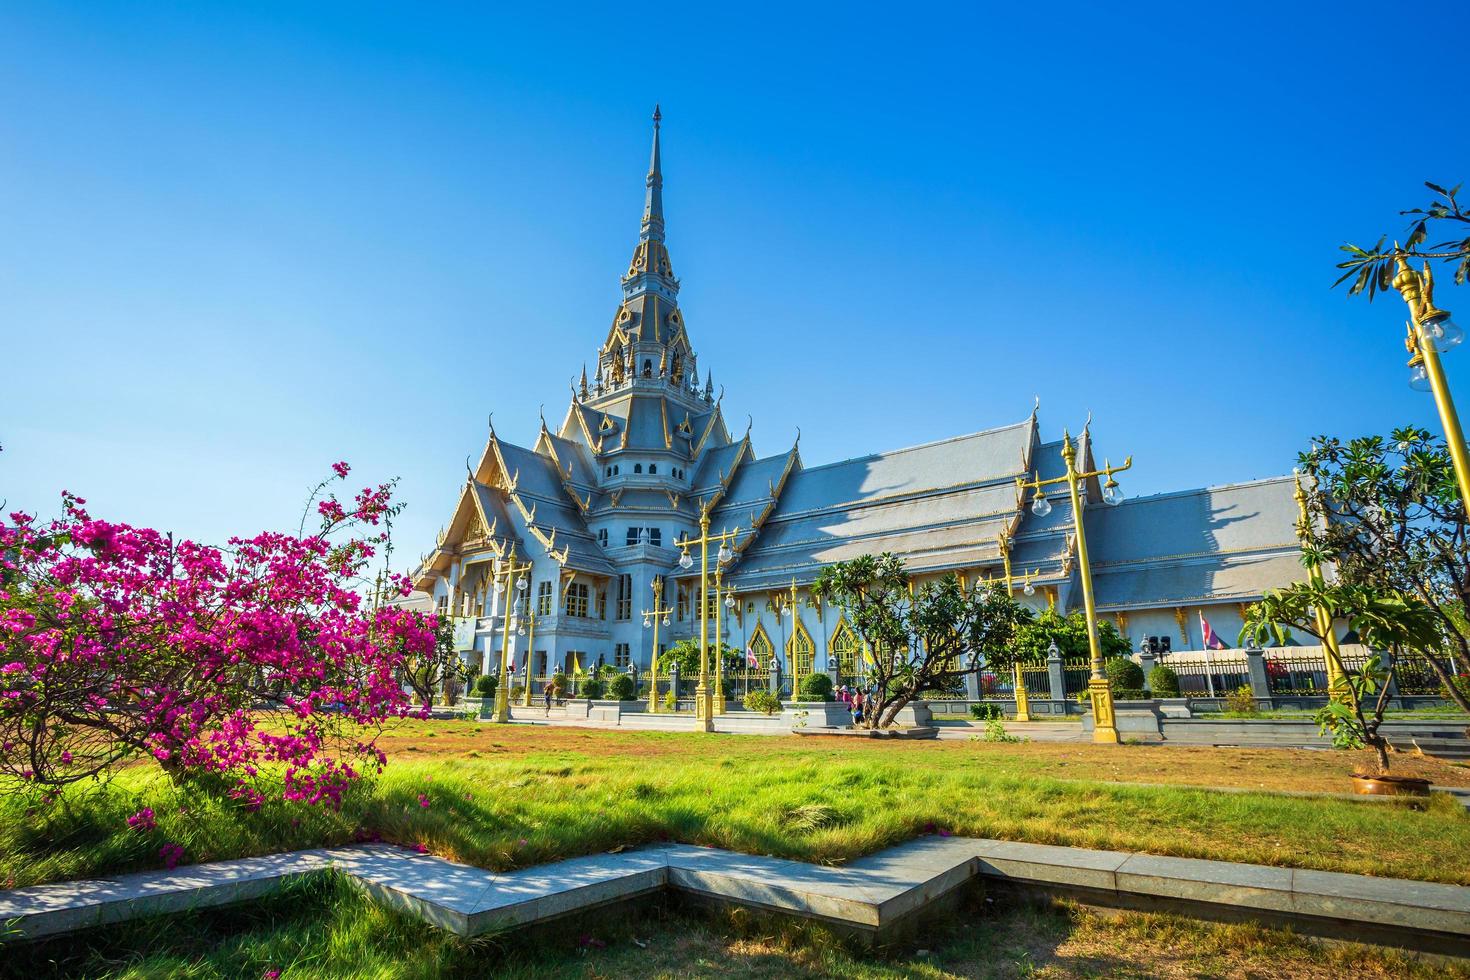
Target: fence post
{"x":674,"y":683}
{"x":1056,"y":679}
{"x":972,"y":680}
{"x":1255,"y":668}
{"x":1393,"y":683}
{"x":1146,"y":661}
{"x":833,"y":672}
{"x":775,"y":677}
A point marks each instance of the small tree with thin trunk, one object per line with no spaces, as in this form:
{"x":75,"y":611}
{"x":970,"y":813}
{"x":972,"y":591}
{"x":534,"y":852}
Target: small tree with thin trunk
{"x":1387,"y":514}
{"x":918,"y":637}
{"x":1384,"y":620}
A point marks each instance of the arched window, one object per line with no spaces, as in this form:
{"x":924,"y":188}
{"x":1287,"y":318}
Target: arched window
{"x":637,"y":467}
{"x":760,"y":645}
{"x":652,"y":469}
{"x":615,"y":471}
{"x":647,"y":368}
{"x":845,"y":648}
{"x":800,"y":650}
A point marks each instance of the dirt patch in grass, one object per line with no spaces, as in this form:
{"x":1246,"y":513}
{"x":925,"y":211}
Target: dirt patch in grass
{"x":1296,"y":770}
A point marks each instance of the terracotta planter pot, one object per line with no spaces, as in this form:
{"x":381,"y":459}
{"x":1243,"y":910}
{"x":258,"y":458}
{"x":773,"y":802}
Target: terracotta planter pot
{"x":1390,"y":785}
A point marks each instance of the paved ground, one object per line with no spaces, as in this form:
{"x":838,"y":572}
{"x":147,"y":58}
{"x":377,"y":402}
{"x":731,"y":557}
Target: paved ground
{"x":869,"y":894}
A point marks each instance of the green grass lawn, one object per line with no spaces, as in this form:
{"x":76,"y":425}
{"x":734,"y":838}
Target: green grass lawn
{"x":514,"y":796}
{"x":326,"y":928}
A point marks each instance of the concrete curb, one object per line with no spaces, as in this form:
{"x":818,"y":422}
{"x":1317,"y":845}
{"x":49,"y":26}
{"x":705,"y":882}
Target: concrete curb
{"x":870,"y":895}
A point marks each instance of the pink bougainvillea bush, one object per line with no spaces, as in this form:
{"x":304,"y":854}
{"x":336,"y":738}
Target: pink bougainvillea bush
{"x":267,"y":665}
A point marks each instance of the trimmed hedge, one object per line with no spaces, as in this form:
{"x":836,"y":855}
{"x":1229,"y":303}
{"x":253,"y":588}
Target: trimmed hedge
{"x":485,"y":685}
{"x":1163,"y":682}
{"x":762,"y":700}
{"x":815,"y":687}
{"x":593,"y":689}
{"x":622,"y":688}
{"x":1123,"y":675}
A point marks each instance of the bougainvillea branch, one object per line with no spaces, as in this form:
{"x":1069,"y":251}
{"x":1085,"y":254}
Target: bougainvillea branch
{"x":259,"y":663}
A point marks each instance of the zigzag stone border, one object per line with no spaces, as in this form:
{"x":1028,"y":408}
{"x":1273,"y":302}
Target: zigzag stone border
{"x":868,"y":895}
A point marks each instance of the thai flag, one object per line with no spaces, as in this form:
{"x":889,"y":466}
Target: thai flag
{"x":750,"y":658}
{"x":1212,"y":642}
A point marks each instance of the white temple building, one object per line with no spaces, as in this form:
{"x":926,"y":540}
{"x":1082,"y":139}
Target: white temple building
{"x":597,"y":503}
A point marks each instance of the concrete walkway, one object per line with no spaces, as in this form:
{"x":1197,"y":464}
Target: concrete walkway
{"x":870,"y":895}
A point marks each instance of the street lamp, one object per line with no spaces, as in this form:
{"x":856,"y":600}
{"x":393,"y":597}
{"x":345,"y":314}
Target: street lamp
{"x":1431,"y":332}
{"x":659,"y":614}
{"x":1104,"y":727}
{"x":1003,"y":540}
{"x":703,"y":703}
{"x":504,"y":572}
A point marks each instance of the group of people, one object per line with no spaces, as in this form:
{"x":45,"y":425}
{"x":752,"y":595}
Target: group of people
{"x":856,"y":700}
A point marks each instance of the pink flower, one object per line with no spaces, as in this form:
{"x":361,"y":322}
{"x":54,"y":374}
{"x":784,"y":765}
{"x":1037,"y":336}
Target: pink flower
{"x":421,"y":848}
{"x":423,"y":801}
{"x":271,"y":973}
{"x":172,"y":854}
{"x":143,"y":820}
{"x":341,"y":469}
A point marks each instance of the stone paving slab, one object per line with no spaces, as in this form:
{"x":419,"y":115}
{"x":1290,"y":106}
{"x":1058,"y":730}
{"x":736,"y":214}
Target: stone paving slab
{"x":869,"y":894}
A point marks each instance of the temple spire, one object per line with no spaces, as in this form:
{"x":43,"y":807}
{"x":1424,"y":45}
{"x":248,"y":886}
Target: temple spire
{"x":653,"y":203}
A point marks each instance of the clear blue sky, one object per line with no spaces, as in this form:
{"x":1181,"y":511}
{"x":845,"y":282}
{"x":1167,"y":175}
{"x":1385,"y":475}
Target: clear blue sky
{"x":239,"y":244}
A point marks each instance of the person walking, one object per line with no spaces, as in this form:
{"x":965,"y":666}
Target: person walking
{"x":546,"y":696}
{"x":857,"y":707}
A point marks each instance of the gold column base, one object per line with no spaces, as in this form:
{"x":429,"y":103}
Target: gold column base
{"x":502,"y":705}
{"x":1104,"y":723}
{"x":1023,"y":700}
{"x":704,"y":708}
{"x":653,"y":694}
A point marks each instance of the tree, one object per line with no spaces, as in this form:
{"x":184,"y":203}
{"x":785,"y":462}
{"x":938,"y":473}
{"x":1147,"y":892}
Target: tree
{"x":685,"y":653}
{"x":1035,"y":634}
{"x":1373,"y":269}
{"x":1384,"y":619}
{"x":1387,"y":514}
{"x":119,"y":642}
{"x":438,"y":668}
{"x":918,"y":640}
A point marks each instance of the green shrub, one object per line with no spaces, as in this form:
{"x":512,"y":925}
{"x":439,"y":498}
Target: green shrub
{"x":814,"y":687}
{"x":1130,"y":694}
{"x":762,"y":700}
{"x":671,"y":702}
{"x":995,"y":731}
{"x":1123,"y":674}
{"x":1241,"y":701}
{"x":984,"y":712}
{"x":517,"y":693}
{"x":622,"y":688}
{"x":485,"y":685}
{"x":1163,"y":682}
{"x":593,"y":689}
{"x":559,"y":681}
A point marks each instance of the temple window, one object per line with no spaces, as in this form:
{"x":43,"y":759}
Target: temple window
{"x":647,"y":368}
{"x":637,"y":467}
{"x":602,"y":536}
{"x":652,"y":469}
{"x":625,"y":598}
{"x":543,"y":599}
{"x":577,"y":595}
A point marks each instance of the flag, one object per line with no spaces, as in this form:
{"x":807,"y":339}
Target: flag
{"x":750,"y":658}
{"x":1212,"y":642}
{"x":576,"y":666}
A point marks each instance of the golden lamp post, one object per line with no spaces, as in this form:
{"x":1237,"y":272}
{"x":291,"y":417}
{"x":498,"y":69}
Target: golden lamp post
{"x":703,"y":704}
{"x":653,"y":617}
{"x":724,"y":602}
{"x":1104,"y":727}
{"x":1431,"y":333}
{"x":1023,"y":699}
{"x":507,"y":572}
{"x":1336,"y":676}
{"x":527,"y":628}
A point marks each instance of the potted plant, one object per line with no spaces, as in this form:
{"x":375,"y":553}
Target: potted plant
{"x":1385,"y":620}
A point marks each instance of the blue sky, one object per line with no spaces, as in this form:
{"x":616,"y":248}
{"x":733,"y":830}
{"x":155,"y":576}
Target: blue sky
{"x":240,"y":243}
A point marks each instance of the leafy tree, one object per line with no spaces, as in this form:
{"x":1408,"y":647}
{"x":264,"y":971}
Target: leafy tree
{"x":1387,"y":514}
{"x":1372,"y":269}
{"x":1035,"y":634}
{"x":924,"y":639}
{"x":685,"y":653}
{"x":438,"y":668}
{"x":227,"y":664}
{"x":1384,"y":619}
